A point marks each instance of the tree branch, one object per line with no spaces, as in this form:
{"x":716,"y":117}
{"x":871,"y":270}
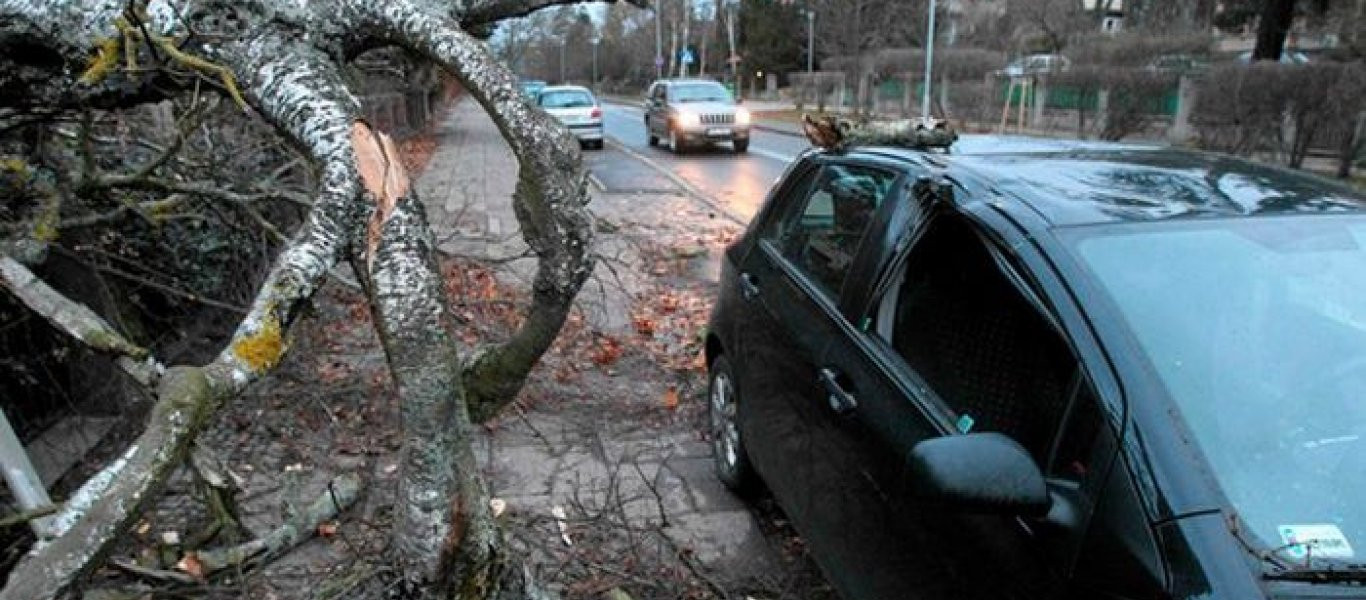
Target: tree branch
{"x":488,"y":12}
{"x":340,"y":494}
{"x":73,"y":318}
{"x":550,"y":201}
{"x":185,"y":401}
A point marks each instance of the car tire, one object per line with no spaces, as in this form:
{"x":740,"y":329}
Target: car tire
{"x":741,"y":146}
{"x":654,"y":141}
{"x":675,"y":143}
{"x":728,"y":446}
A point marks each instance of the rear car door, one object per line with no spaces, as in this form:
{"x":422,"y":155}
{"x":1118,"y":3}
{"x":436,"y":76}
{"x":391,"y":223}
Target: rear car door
{"x":791,"y":281}
{"x":952,"y":340}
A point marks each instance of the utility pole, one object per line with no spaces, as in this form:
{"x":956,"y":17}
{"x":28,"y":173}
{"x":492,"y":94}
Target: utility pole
{"x":810,"y":40}
{"x":733,"y":60}
{"x":929,"y":64}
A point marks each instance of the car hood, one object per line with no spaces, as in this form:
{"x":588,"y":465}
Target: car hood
{"x":706,"y":108}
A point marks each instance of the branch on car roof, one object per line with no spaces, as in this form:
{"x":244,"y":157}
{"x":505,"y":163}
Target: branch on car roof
{"x":837,"y":133}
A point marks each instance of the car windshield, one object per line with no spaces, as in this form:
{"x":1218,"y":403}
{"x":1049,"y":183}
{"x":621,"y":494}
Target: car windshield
{"x":1257,"y":328}
{"x":699,"y":92}
{"x":565,"y":99}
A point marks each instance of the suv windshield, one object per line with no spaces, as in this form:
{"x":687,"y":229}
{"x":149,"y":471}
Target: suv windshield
{"x":1257,"y":328}
{"x":698,"y":92}
{"x":565,"y":99}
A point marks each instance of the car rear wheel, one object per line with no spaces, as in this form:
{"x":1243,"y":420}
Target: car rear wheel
{"x":675,"y":142}
{"x":654,"y":141}
{"x":741,"y":146}
{"x":728,"y":446}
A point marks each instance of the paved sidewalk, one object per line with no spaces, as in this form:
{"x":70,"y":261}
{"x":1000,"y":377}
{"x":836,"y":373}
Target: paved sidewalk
{"x":589,"y":457}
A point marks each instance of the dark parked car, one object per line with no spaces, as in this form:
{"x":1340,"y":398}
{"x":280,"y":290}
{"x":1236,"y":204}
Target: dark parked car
{"x":1042,"y":369}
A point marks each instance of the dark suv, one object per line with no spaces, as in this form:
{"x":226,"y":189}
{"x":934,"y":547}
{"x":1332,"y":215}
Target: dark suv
{"x":690,"y":112}
{"x":1035,"y":369}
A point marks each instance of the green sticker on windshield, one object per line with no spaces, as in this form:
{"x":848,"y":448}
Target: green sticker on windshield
{"x":965,"y":423}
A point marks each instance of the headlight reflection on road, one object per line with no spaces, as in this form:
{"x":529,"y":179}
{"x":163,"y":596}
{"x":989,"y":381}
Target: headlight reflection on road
{"x":736,"y":181}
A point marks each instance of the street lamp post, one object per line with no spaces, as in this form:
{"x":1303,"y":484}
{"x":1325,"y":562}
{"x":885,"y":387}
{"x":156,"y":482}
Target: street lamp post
{"x":929,"y":64}
{"x":562,"y":62}
{"x":659,"y":46}
{"x":596,"y":41}
{"x":810,"y":40}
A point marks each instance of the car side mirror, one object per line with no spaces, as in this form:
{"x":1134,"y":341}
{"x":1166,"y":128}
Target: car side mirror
{"x":979,"y":473}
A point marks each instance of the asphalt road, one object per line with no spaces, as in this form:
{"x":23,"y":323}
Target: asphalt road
{"x":737,"y":182}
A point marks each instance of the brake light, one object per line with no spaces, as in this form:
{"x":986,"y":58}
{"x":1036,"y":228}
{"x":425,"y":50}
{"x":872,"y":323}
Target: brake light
{"x":596,"y":114}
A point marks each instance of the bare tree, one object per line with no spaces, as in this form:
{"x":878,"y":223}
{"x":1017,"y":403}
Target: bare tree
{"x":854,"y":30}
{"x":1051,"y":23}
{"x":285,"y":61}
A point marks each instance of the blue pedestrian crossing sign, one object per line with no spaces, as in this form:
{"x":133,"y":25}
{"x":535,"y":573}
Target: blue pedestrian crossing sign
{"x":685,"y":56}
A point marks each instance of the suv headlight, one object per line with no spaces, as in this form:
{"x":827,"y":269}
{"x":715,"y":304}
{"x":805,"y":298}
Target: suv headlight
{"x":687,"y":119}
{"x":742,"y":116}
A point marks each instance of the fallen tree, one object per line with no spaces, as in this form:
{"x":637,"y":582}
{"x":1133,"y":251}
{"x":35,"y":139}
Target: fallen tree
{"x":284,"y":60}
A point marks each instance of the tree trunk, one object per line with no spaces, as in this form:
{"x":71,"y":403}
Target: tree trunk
{"x":1277,"y":15}
{"x":1350,"y":148}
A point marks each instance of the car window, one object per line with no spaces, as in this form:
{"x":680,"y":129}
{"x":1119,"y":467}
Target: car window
{"x":983,"y":348}
{"x":565,"y":99}
{"x":822,"y":232}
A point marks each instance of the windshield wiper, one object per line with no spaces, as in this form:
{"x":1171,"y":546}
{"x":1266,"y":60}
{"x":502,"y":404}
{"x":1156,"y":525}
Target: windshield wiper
{"x":1334,"y":574}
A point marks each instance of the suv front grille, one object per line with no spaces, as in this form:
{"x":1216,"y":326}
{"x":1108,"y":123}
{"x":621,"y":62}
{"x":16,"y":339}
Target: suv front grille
{"x":717,"y":119}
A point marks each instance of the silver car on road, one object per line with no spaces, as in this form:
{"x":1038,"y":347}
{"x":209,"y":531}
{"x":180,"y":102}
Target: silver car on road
{"x":577,"y":109}
{"x":694,"y":111}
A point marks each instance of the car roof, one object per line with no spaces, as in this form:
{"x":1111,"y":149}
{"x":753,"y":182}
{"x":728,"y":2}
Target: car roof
{"x":1080,"y":182}
{"x":565,"y":88}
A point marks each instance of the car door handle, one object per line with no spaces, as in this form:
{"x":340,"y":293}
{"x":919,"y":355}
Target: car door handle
{"x":841,"y":401}
{"x":749,"y":286}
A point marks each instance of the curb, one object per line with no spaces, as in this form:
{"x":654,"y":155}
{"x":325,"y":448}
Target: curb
{"x":688,"y":189}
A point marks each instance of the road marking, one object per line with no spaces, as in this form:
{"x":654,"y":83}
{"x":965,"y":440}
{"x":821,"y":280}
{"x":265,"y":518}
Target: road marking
{"x":689,"y":189}
{"x":782,"y":158}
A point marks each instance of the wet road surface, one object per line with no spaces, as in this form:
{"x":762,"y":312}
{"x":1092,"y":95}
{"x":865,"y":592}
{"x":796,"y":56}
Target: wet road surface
{"x":736,"y":182}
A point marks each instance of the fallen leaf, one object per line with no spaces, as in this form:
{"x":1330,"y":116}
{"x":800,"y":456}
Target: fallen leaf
{"x":497,"y":505}
{"x":191,"y":565}
{"x":608,"y":350}
{"x":644,"y":326}
{"x":671,"y":398}
{"x":327,"y":529}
